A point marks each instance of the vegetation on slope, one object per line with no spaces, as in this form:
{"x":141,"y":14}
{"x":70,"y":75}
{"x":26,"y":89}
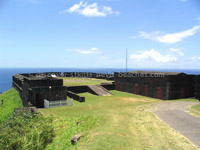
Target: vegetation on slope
{"x":65,"y":128}
{"x":113,"y":122}
{"x":12,"y":100}
{"x":26,"y":132}
{"x":124,"y":123}
{"x":195,"y":110}
{"x":22,"y":132}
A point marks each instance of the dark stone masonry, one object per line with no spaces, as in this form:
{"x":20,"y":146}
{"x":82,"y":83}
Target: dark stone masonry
{"x":36,"y":87}
{"x":197,"y":87}
{"x":33,"y":89}
{"x":161,"y":85}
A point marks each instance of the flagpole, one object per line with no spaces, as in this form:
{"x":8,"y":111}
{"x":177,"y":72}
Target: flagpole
{"x":126,"y":59}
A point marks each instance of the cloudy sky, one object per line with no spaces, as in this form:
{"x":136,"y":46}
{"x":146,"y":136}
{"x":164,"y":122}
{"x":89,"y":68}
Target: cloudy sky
{"x":74,"y":33}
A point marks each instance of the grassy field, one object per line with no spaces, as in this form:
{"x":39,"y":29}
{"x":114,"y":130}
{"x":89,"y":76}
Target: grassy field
{"x":120,"y":122}
{"x":67,"y":81}
{"x":11,"y":100}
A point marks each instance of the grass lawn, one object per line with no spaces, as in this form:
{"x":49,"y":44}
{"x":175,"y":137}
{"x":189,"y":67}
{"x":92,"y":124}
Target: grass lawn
{"x":120,"y":122}
{"x":69,"y":81}
{"x":195,"y":110}
{"x":12,"y":100}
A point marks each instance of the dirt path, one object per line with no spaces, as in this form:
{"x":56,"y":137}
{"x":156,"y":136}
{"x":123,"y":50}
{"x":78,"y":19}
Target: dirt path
{"x":176,"y":115}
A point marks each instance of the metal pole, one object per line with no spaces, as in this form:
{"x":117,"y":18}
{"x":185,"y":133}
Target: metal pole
{"x":126,"y":60}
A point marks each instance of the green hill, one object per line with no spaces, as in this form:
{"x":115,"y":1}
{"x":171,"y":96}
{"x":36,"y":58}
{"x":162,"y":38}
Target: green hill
{"x":12,"y":100}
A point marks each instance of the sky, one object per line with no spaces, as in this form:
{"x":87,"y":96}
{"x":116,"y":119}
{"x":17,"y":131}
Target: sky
{"x":96,"y":34}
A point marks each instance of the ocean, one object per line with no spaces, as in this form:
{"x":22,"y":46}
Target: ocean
{"x":7,"y":73}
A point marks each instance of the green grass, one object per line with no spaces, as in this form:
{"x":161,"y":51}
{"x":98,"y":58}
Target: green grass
{"x":67,"y":127}
{"x":69,"y":81}
{"x":12,"y":100}
{"x":120,"y":122}
{"x":26,"y":132}
{"x":195,"y":110}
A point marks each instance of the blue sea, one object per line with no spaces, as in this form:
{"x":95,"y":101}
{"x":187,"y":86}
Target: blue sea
{"x":7,"y":73}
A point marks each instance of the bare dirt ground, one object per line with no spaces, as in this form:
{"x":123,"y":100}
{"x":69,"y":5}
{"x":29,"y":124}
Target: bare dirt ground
{"x":176,"y":115}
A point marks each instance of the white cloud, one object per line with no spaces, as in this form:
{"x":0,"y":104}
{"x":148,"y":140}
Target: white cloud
{"x":104,"y":58}
{"x":94,"y":49}
{"x":194,"y":58}
{"x":169,"y":38}
{"x":90,"y":10}
{"x":153,"y":55}
{"x":176,"y":50}
{"x":82,"y":51}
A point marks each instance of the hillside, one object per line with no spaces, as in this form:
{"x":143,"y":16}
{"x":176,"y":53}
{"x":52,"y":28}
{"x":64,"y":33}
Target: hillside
{"x":115,"y":122}
{"x":12,"y":100}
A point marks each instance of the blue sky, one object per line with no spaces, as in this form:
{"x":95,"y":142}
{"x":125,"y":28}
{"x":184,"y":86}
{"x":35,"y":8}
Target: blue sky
{"x":74,"y":33}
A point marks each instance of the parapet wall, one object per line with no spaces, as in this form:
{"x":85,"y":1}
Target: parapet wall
{"x":84,"y":88}
{"x":75,"y":96}
{"x":108,"y":86}
{"x":72,"y":74}
{"x":43,"y":82}
{"x":44,"y":74}
{"x":78,"y":89}
{"x":89,"y":75}
{"x":18,"y":79}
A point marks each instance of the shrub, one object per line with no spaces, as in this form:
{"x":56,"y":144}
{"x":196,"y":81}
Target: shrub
{"x":26,"y":132}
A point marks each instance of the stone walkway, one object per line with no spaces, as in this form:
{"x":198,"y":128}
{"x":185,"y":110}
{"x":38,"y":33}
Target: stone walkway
{"x":175,"y":115}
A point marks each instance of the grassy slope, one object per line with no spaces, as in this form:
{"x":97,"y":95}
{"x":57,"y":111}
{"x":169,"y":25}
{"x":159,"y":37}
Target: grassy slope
{"x":125,"y":124}
{"x":11,"y":100}
{"x":67,"y":81}
{"x":195,"y":110}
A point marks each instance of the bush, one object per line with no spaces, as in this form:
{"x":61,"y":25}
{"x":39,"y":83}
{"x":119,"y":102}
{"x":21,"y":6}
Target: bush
{"x":26,"y":132}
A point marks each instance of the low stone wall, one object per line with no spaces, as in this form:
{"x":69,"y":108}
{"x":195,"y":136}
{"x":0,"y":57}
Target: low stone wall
{"x":108,"y":86}
{"x":84,"y":88}
{"x":48,"y":74}
{"x":19,"y":89}
{"x":75,"y":96}
{"x":45,"y":74}
{"x":78,"y":89}
{"x":26,"y":110}
{"x":18,"y":79}
{"x":78,"y":74}
{"x":39,"y":82}
{"x":89,"y":75}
